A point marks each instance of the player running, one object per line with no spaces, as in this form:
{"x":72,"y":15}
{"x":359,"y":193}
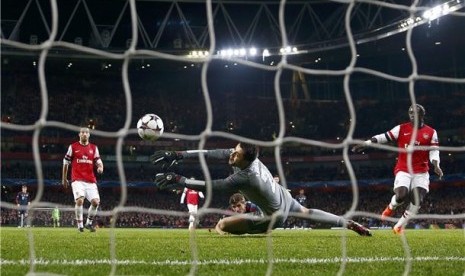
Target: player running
{"x":253,"y":179}
{"x":410,"y":184}
{"x":192,"y":201}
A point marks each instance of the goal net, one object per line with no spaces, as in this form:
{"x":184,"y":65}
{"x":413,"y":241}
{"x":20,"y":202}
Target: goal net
{"x":304,"y":80}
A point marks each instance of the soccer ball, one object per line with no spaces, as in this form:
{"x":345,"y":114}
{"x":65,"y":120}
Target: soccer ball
{"x":150,"y":127}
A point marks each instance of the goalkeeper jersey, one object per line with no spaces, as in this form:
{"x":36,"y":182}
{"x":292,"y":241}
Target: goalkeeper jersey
{"x":255,"y":182}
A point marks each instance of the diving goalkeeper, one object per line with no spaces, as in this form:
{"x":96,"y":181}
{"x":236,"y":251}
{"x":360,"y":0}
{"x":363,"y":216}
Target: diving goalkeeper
{"x":253,"y":179}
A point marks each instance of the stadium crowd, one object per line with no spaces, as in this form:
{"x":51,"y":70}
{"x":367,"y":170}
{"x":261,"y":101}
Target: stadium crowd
{"x":102,"y":103}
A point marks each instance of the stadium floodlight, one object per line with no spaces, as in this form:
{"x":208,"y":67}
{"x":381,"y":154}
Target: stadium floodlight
{"x":289,"y":50}
{"x":430,"y":14}
{"x":253,"y":51}
{"x":437,"y":11}
{"x":198,"y":54}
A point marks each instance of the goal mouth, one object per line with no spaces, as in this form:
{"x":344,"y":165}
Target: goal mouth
{"x":303,"y":81}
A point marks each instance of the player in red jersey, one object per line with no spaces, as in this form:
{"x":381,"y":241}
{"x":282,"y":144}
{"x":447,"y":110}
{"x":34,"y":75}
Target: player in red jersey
{"x":411,"y":182}
{"x":192,"y":200}
{"x":83,"y":157}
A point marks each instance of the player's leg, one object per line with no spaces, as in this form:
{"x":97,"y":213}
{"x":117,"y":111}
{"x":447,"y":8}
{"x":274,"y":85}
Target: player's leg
{"x":192,"y":214}
{"x":322,"y":216}
{"x":420,"y":187}
{"x":401,"y":191}
{"x":21,"y":219}
{"x":79,"y":195}
{"x":93,"y":196}
{"x":27,"y":219}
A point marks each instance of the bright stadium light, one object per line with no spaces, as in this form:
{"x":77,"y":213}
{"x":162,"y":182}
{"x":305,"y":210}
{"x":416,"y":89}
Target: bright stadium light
{"x":437,"y":11}
{"x":430,"y":14}
{"x":289,"y":50}
{"x":240,"y":52}
{"x":198,"y":54}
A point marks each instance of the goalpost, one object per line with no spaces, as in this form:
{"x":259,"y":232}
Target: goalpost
{"x":283,"y":61}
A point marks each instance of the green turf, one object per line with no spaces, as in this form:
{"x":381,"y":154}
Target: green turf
{"x":170,"y":252}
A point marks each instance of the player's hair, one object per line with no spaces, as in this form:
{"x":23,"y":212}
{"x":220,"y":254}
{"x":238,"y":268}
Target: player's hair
{"x":420,"y":109}
{"x":236,"y":198}
{"x":250,"y":151}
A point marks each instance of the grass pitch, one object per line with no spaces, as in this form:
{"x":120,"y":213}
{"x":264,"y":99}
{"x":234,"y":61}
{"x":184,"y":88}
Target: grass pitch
{"x":65,"y":251}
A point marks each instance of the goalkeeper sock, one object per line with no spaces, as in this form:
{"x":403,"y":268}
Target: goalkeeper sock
{"x":78,"y":210}
{"x":322,"y":216}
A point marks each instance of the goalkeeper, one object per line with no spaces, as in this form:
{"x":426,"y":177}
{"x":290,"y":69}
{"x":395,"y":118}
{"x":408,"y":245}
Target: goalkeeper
{"x":56,"y":217}
{"x":253,"y":179}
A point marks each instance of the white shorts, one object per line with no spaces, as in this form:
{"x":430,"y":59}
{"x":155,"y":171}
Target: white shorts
{"x":85,"y":189}
{"x":192,"y":208}
{"x":411,"y":181}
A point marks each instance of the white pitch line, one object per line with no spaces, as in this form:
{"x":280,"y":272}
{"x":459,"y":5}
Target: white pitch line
{"x":228,"y":262}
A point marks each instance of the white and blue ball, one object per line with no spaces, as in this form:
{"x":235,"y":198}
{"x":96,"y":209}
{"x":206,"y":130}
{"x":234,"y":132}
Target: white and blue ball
{"x":150,"y":127}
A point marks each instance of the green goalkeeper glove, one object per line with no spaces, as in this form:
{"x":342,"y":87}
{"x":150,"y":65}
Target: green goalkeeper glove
{"x":169,"y":180}
{"x":165,"y":159}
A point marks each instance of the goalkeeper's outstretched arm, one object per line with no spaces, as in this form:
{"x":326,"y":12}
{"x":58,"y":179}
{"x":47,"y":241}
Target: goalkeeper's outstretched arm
{"x":168,"y":180}
{"x":167,"y":158}
{"x":215,"y":154}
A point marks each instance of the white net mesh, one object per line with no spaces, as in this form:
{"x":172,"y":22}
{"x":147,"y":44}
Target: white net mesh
{"x":345,"y":70}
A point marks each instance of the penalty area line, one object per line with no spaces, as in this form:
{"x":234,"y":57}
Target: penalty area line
{"x":85,"y":262}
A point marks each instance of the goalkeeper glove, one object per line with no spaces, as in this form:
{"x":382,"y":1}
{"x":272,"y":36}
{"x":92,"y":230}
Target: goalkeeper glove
{"x":165,"y":159}
{"x":169,"y":180}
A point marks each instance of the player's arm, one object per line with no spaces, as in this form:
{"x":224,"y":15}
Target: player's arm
{"x":98,"y":161}
{"x":168,"y":180}
{"x":183,"y":196}
{"x":167,"y":158}
{"x":64,"y":171}
{"x":379,"y":138}
{"x":434,"y":156}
